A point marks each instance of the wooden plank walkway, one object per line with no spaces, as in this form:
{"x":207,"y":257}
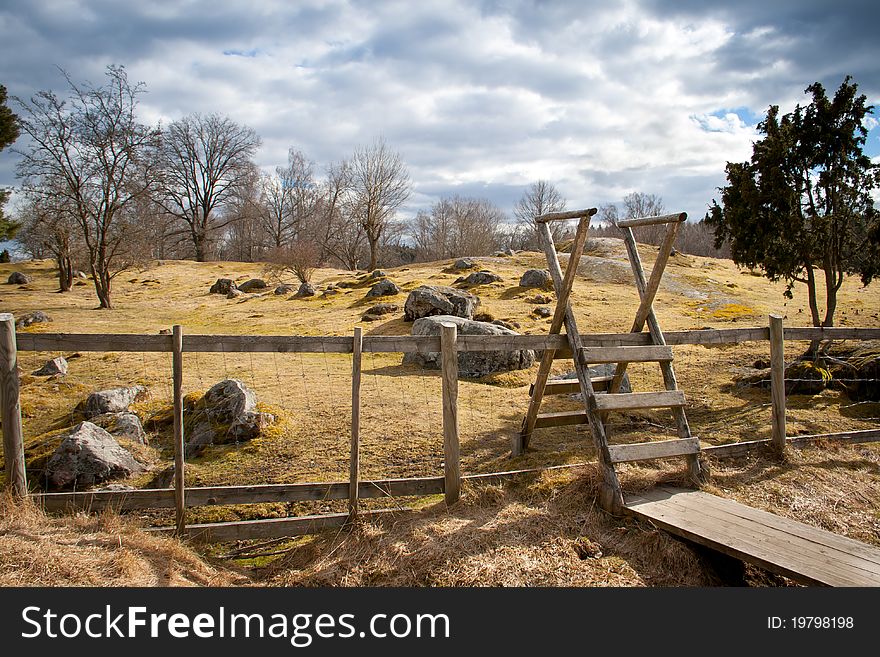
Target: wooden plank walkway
{"x":801,"y":552}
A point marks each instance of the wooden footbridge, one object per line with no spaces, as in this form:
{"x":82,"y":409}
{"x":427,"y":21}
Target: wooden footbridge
{"x":803,"y":553}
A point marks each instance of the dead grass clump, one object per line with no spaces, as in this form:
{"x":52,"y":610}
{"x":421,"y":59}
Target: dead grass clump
{"x":98,"y":550}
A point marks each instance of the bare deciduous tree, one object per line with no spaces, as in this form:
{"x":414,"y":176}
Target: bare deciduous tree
{"x":49,"y":229}
{"x":541,"y":197}
{"x":92,"y":153}
{"x":381,"y":184}
{"x":203,"y":159}
{"x":457,"y":227}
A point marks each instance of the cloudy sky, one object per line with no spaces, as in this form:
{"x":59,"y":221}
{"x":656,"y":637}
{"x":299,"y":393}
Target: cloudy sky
{"x":479,"y":98}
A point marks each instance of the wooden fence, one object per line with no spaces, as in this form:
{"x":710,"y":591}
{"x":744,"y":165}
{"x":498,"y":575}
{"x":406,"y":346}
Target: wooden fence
{"x":448,"y":344}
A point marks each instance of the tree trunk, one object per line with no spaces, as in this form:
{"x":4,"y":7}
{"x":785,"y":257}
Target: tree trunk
{"x":102,"y":288}
{"x":813,"y":350}
{"x":65,"y":274}
{"x":374,"y":253}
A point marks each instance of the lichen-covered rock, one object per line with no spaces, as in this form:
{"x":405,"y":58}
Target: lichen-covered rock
{"x":17,"y":278}
{"x":223,"y":286}
{"x":52,"y":367}
{"x":540,"y":299}
{"x":383,"y":288}
{"x":36,"y":317}
{"x":383,"y":309}
{"x":227,"y":413}
{"x":283,"y":289}
{"x":480,"y":278}
{"x":306,"y":290}
{"x":114,"y":400}
{"x":233,"y":293}
{"x":88,"y":455}
{"x":471,"y":364}
{"x":536,"y":278}
{"x":125,"y":425}
{"x":428,"y":300}
{"x":543,"y":311}
{"x":247,"y":426}
{"x":253,"y":284}
{"x":463,"y":263}
{"x":377,"y":273}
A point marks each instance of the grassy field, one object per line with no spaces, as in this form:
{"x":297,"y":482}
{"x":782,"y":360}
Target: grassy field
{"x":542,"y":521}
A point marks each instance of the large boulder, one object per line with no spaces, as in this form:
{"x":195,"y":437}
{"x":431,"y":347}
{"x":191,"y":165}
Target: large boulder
{"x":36,"y":317}
{"x":125,"y":425}
{"x":471,"y":364}
{"x":227,"y":413}
{"x":88,"y":455}
{"x":17,"y":278}
{"x":536,"y":278}
{"x":306,"y":289}
{"x":383,"y":288}
{"x":114,"y":400}
{"x":253,"y":284}
{"x":223,"y":286}
{"x":429,"y":300}
{"x":57,"y":365}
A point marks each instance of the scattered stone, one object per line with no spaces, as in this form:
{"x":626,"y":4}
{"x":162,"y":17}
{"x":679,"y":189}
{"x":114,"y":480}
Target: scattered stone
{"x":543,"y":311}
{"x":499,"y":254}
{"x":463,"y":263}
{"x":233,"y":293}
{"x":306,"y":290}
{"x":484,"y":317}
{"x":283,"y":289}
{"x":383,"y":288}
{"x":223,"y":286}
{"x":52,"y":367}
{"x":541,"y":299}
{"x":114,"y":400}
{"x":480,"y":278}
{"x":227,"y":413}
{"x":330,"y":286}
{"x":471,"y":364}
{"x":536,"y":278}
{"x":383,"y":309}
{"x":346,"y":284}
{"x":253,"y":284}
{"x":80,"y":274}
{"x":427,"y":300}
{"x":368,"y":317}
{"x":17,"y":278}
{"x":125,"y":425}
{"x":329,"y":292}
{"x":88,"y":455}
{"x":36,"y":317}
{"x":377,"y":273}
{"x":507,"y":325}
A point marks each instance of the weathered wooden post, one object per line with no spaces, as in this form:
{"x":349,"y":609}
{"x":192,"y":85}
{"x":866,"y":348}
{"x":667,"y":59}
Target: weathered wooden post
{"x":179,"y":475}
{"x":13,"y":445}
{"x":449,"y":376}
{"x":777,"y":382}
{"x":355,"y":464}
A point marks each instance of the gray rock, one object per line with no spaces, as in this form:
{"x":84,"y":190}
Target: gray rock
{"x":253,"y":284}
{"x":536,"y":278}
{"x":115,"y":400}
{"x":499,"y":254}
{"x":471,"y":364}
{"x":507,"y":325}
{"x":283,"y":289}
{"x":377,"y":273}
{"x":383,"y":309}
{"x":223,"y":286}
{"x":88,"y":455}
{"x":306,"y":290}
{"x":80,"y":274}
{"x":126,"y":425}
{"x":369,"y":317}
{"x":428,"y":300}
{"x":463,"y":263}
{"x":540,"y":299}
{"x":36,"y":317}
{"x":227,"y":413}
{"x":17,"y":278}
{"x":233,"y":293}
{"x":383,"y":288}
{"x":543,"y":311}
{"x":55,"y":366}
{"x":481,"y":278}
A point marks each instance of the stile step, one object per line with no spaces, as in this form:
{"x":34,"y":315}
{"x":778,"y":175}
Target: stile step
{"x":571,"y":386}
{"x":560,"y":419}
{"x":656,"y":450}
{"x":640,"y":354}
{"x":637,"y":400}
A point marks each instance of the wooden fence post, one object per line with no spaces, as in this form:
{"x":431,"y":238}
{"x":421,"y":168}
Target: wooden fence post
{"x":449,"y":375}
{"x":179,"y":475}
{"x":777,"y":382}
{"x":10,"y":414}
{"x":355,"y":464}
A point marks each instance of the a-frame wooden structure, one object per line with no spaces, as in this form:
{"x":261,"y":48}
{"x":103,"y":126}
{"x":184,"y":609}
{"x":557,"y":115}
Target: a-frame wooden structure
{"x":598,"y":407}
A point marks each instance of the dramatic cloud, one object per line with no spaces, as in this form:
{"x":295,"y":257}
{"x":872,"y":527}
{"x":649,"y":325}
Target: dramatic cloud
{"x":480,"y":99}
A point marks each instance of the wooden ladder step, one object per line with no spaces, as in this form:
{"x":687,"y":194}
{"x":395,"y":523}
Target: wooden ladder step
{"x":656,"y":450}
{"x":572,"y":387}
{"x":560,"y":419}
{"x":636,"y":400}
{"x":627,"y":354}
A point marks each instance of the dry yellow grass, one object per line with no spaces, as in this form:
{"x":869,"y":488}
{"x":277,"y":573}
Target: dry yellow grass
{"x":401,"y":413}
